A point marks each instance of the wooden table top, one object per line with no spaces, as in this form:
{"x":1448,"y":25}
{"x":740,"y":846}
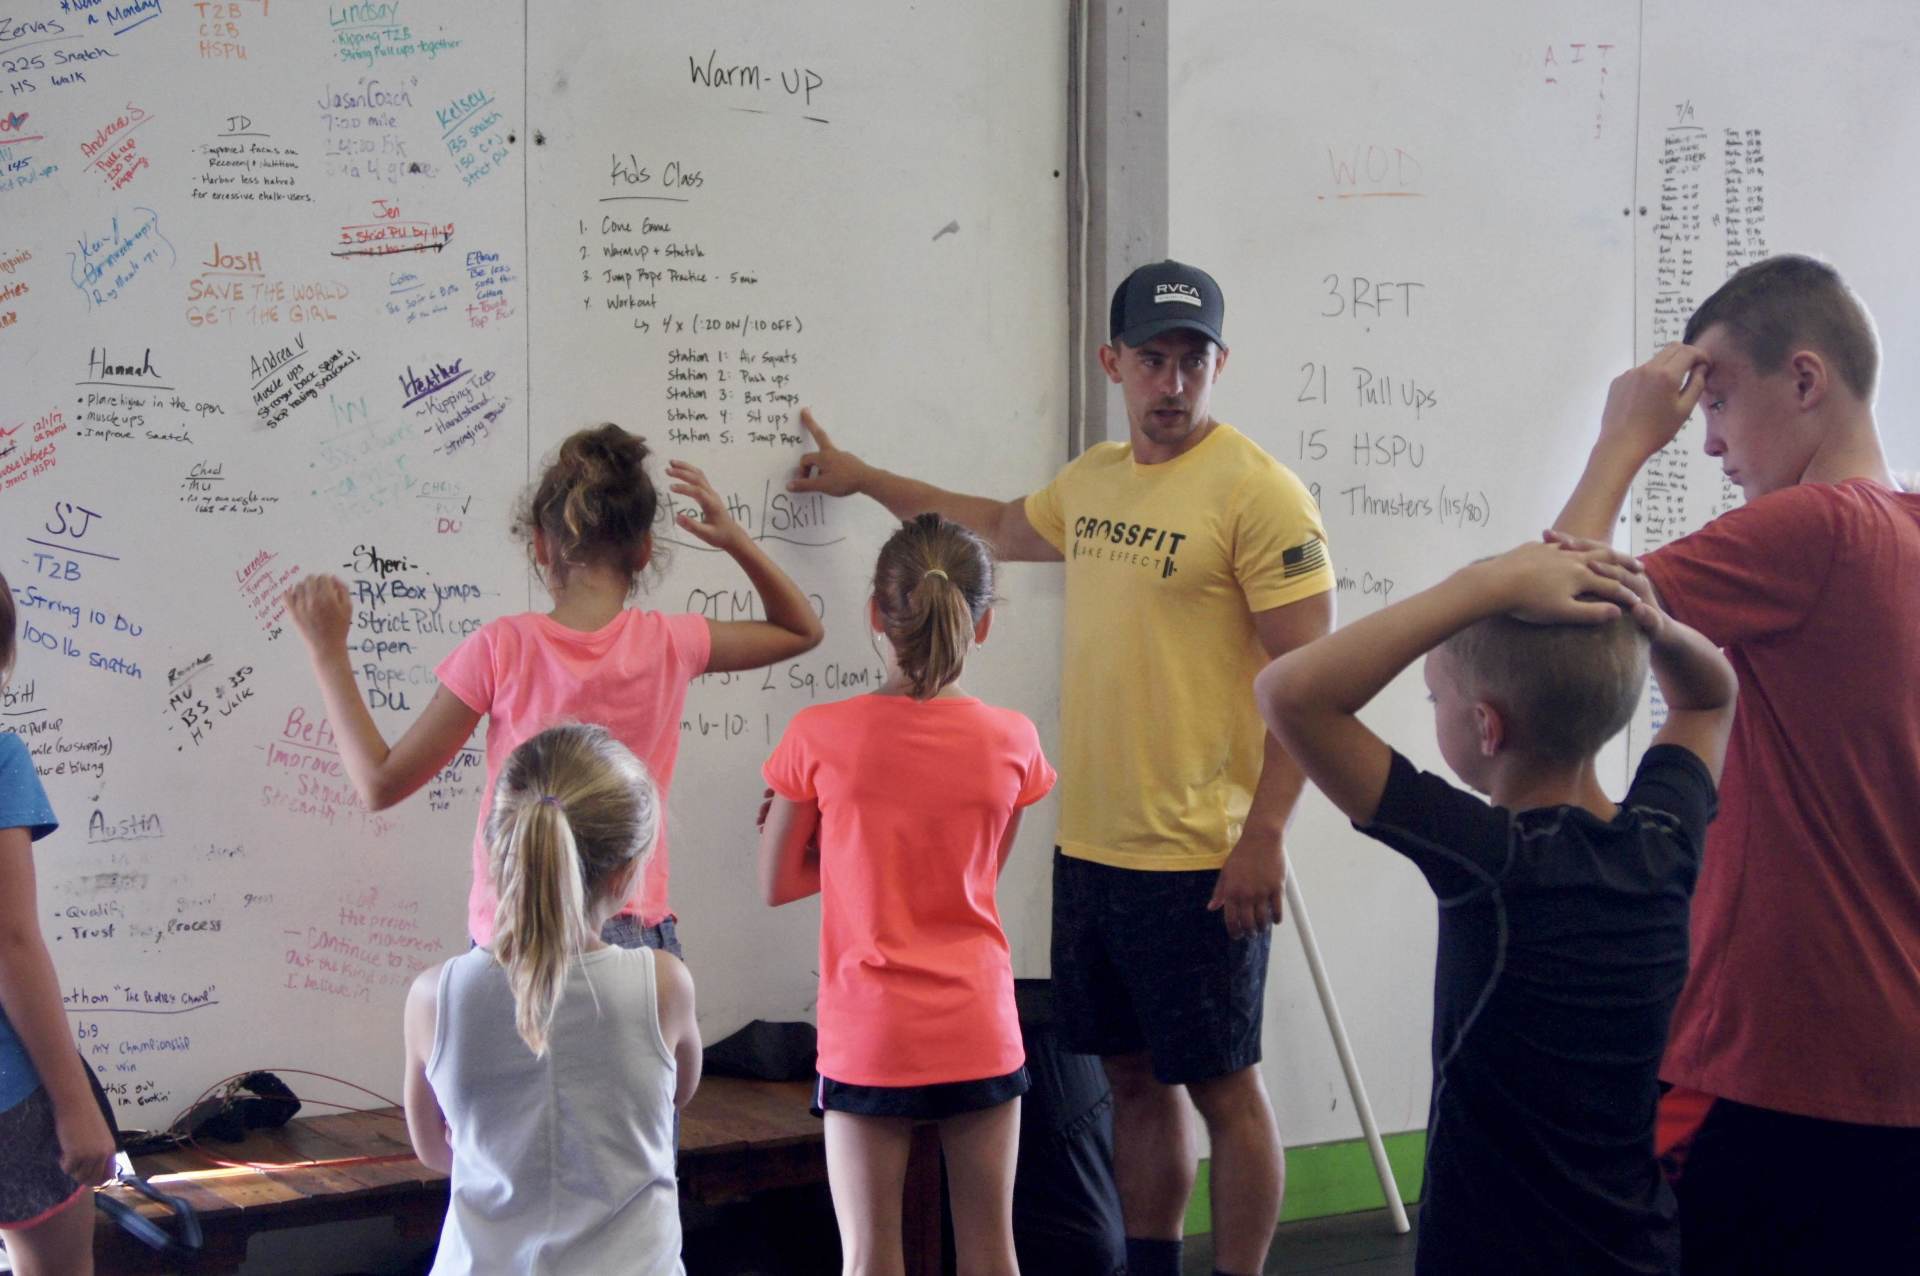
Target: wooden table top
{"x":311,"y":1161}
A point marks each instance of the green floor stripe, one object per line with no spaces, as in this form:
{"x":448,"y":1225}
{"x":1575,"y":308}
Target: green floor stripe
{"x":1331,"y":1178}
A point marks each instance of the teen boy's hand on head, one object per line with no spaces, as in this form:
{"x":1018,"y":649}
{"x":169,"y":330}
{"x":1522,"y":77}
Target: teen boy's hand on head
{"x":1647,"y":405}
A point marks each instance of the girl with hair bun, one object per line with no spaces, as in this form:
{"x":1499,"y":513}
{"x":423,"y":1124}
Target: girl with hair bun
{"x":899,"y":808}
{"x":588,"y":526}
{"x":543,"y":1073}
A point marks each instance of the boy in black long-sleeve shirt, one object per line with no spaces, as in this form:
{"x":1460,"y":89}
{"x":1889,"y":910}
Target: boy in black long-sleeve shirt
{"x":1563,"y":916}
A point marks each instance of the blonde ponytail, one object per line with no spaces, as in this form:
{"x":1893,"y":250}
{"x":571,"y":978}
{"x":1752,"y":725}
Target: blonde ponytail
{"x":542,"y":912}
{"x":573,"y":808}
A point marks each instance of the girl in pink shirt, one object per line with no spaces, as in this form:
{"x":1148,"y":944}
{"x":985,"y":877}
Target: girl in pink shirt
{"x":588,"y":524}
{"x":899,"y":808}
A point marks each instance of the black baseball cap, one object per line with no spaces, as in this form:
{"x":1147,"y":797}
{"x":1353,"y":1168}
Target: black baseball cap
{"x":1162,"y":297}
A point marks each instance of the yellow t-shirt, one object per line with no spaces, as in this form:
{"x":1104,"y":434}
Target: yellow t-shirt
{"x":1166,"y":564}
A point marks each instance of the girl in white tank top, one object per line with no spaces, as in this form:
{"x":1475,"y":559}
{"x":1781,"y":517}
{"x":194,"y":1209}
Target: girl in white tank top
{"x":543,"y":1073}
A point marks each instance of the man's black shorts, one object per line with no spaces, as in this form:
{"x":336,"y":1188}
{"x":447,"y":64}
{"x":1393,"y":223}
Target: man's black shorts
{"x":1140,"y":964}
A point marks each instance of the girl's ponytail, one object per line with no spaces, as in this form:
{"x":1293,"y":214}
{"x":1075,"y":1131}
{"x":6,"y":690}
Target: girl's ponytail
{"x":543,"y":909}
{"x":572,"y":810}
{"x":933,"y":583}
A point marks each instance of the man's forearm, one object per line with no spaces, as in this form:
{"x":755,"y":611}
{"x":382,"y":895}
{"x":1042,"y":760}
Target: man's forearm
{"x":907,"y":497}
{"x":1277,"y":792}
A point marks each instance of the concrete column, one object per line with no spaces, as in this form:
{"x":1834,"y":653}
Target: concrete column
{"x":1122,"y":100}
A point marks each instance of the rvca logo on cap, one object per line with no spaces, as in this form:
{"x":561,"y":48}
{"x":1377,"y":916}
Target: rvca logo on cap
{"x":1185,"y":293}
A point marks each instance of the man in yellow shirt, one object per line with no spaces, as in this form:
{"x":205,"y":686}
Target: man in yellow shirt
{"x":1192,"y":558}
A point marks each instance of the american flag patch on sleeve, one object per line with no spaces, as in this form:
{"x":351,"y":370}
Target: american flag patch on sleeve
{"x":1305,"y":559}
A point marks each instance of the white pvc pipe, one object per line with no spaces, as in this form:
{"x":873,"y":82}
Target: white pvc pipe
{"x":1354,"y":1084}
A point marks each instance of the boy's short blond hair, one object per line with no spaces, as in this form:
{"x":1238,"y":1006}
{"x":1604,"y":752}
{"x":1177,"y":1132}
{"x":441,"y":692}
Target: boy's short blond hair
{"x":1564,"y":690}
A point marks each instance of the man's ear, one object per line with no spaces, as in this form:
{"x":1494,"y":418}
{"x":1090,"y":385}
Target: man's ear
{"x":1812,"y":378}
{"x":1490,"y":728}
{"x":1110,"y":363}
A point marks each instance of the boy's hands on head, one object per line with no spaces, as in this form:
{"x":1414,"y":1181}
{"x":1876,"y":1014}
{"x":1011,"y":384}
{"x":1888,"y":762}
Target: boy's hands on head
{"x":1647,"y":612}
{"x":322,"y":611}
{"x":1548,"y":583}
{"x":1647,"y":405}
{"x":827,"y":468}
{"x":714,"y":525}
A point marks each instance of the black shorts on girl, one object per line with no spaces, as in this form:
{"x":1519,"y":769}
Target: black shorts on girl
{"x":1140,"y":964}
{"x":918,"y":1102}
{"x":624,"y":930}
{"x":32,"y":1184}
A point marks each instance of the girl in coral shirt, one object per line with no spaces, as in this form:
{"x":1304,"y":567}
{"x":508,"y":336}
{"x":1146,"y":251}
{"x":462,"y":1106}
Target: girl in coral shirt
{"x":900,"y":808}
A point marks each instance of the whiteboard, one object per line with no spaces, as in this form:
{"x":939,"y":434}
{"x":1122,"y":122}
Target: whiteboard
{"x":300,"y":288}
{"x":1733,"y":168}
{"x":1444,"y":207}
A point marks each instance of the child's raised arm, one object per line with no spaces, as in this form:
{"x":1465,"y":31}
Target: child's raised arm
{"x":1311,"y":696}
{"x":790,"y":627}
{"x":1697,"y":682}
{"x":322,"y":611}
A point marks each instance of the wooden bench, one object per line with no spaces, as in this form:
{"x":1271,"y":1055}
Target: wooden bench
{"x":736,"y":1138}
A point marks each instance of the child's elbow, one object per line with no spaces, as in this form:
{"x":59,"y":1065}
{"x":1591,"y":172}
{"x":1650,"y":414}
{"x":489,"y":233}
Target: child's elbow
{"x":1279,"y":694}
{"x":20,"y":938}
{"x":778,"y":893}
{"x":1727,"y":683}
{"x":381,"y":794}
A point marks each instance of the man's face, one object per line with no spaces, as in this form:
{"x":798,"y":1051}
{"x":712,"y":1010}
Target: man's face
{"x":1167,"y":383}
{"x":1754,"y":425}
